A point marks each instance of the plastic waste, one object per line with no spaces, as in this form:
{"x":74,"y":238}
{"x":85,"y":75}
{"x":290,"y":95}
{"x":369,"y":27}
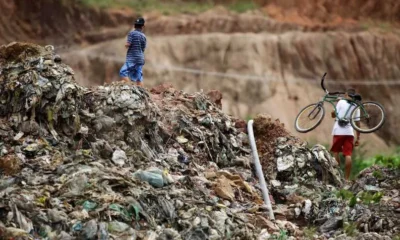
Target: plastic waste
{"x":155,"y":177}
{"x":89,"y":205}
{"x":89,"y":230}
{"x":117,"y":227}
{"x":103,"y":231}
{"x":119,"y":157}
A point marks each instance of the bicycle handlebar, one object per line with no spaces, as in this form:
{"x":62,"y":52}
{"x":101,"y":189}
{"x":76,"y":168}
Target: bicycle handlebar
{"x":335,"y":93}
{"x":322,"y":83}
{"x":325,"y":90}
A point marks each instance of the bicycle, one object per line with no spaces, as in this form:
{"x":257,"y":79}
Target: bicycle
{"x":364,"y":123}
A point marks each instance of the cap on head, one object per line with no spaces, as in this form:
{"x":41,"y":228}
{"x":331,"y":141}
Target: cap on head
{"x":139,"y":22}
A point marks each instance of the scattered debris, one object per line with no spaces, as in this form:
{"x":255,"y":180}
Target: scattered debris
{"x":118,"y":162}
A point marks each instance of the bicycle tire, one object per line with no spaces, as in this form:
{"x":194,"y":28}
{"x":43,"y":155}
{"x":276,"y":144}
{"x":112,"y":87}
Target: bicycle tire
{"x":302,"y":130}
{"x":352,"y":122}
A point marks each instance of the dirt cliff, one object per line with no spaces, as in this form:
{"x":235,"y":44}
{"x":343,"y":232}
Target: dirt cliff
{"x":221,"y":20}
{"x":329,"y":13}
{"x":59,"y":22}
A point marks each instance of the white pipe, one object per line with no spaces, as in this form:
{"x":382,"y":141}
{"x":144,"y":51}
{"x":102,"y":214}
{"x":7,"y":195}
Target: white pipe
{"x":260,"y":173}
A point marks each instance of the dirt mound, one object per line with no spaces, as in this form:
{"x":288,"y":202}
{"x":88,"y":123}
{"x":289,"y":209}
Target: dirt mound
{"x":58,"y":22}
{"x":332,"y":13}
{"x":82,"y":154}
{"x":115,"y":162}
{"x":266,"y":131}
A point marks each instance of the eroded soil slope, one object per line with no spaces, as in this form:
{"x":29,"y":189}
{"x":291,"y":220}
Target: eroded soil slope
{"x":332,"y":12}
{"x":58,"y":22}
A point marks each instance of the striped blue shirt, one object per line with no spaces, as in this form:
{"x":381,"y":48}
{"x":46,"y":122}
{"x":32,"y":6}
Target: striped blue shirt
{"x":137,"y":41}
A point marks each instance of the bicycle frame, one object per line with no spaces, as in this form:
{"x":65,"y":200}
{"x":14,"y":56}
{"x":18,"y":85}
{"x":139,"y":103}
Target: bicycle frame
{"x":334,"y":98}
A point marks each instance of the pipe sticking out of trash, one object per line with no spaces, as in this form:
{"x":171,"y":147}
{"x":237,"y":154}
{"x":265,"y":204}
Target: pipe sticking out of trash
{"x":260,"y":173}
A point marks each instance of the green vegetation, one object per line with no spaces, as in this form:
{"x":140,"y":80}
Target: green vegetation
{"x":249,"y":117}
{"x":360,"y":161}
{"x":378,"y":174}
{"x":377,"y":24}
{"x":347,"y":195}
{"x":365,"y":197}
{"x":282,"y":235}
{"x":390,"y":161}
{"x":350,"y":228}
{"x":242,"y":6}
{"x":171,"y":6}
{"x":370,"y":198}
{"x":309,"y":232}
{"x":344,"y":194}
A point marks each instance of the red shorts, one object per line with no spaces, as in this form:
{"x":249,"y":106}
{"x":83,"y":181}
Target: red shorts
{"x":343,"y":143}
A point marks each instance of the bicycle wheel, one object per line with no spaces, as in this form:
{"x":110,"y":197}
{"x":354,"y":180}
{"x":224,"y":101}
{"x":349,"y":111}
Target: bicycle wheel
{"x":371,"y":117}
{"x":309,"y":118}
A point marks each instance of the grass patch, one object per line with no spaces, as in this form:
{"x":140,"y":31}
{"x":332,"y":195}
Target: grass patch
{"x":310,"y":232}
{"x":385,"y":26}
{"x":282,"y":235}
{"x":389,"y":161}
{"x":370,"y":198}
{"x":249,"y":117}
{"x":378,"y":174}
{"x":365,"y":197}
{"x":350,"y":228}
{"x":171,"y":6}
{"x":344,"y":194}
{"x":348,"y":196}
{"x":242,"y":6}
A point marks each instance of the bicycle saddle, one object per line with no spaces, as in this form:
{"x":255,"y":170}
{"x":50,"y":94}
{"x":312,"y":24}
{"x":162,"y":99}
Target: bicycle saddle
{"x":356,"y":97}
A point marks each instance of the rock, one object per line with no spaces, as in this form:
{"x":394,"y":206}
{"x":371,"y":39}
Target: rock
{"x":275,"y":183}
{"x":331,"y":224}
{"x":284,"y":163}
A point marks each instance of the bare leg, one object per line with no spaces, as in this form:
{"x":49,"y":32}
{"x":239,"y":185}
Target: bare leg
{"x":348,"y":167}
{"x":125,"y":79}
{"x":139,"y":84}
{"x":336,"y":156}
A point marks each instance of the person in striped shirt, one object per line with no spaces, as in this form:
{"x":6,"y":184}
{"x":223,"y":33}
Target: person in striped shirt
{"x":132,"y":70}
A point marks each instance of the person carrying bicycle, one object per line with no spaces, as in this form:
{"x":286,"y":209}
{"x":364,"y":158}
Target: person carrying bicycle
{"x":343,"y":132}
{"x":351,"y":114}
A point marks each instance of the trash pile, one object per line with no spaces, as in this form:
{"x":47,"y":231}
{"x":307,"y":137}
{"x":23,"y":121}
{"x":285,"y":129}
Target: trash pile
{"x":120,"y":162}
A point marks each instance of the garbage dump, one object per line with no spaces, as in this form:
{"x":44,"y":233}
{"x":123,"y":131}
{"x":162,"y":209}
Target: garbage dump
{"x":120,"y":162}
